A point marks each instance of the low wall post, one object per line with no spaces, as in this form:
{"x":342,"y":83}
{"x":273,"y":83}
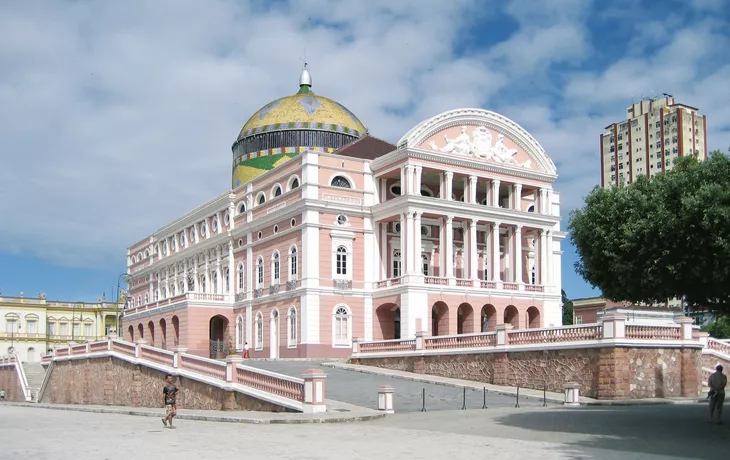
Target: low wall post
{"x":420,"y":342}
{"x":112,"y":337}
{"x":314,"y":391}
{"x":572,"y":394}
{"x":702,"y":337}
{"x":686,"y":324}
{"x":503,"y":334}
{"x":385,"y":399}
{"x":231,"y":362}
{"x":614,"y":326}
{"x":356,"y":345}
{"x":138,"y":347}
{"x":176,"y":362}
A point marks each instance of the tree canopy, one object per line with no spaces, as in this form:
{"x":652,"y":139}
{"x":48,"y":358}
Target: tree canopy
{"x":567,"y":309}
{"x":661,"y":238}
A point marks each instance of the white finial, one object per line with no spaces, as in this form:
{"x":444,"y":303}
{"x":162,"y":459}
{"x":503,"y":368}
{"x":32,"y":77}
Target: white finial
{"x":305,"y":78}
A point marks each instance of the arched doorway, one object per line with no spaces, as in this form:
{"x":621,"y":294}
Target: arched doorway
{"x":274,"y":334}
{"x":489,"y":318}
{"x":131,"y":333}
{"x":512,"y":316}
{"x":31,"y":358}
{"x":151,"y":328}
{"x":176,"y":330}
{"x":163,"y":333}
{"x":388,"y":316}
{"x":465,"y":319}
{"x":217,"y":331}
{"x":140,"y":330}
{"x":439,"y":319}
{"x":533,"y":318}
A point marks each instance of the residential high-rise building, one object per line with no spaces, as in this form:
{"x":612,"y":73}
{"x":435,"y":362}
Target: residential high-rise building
{"x":656,"y":132}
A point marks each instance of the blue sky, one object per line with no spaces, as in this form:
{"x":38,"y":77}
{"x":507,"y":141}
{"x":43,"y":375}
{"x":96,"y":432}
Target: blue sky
{"x":118,"y":117}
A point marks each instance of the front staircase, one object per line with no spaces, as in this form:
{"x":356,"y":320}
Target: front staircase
{"x":35,"y":374}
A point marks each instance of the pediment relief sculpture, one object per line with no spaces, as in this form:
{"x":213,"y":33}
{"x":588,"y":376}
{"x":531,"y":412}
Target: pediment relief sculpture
{"x":479,"y":145}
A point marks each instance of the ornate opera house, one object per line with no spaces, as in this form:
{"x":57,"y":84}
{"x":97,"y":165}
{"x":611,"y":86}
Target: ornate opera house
{"x":329,"y":234}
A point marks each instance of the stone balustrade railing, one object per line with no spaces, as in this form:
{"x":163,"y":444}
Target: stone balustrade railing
{"x":13,"y":361}
{"x":722,"y":347}
{"x":305,"y":394}
{"x":651,"y":332}
{"x":611,"y":328}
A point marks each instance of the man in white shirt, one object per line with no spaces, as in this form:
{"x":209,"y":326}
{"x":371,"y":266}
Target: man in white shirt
{"x":717,"y":383}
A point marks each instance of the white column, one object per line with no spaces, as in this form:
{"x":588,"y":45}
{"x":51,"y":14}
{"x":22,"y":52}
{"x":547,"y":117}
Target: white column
{"x":403,"y":181}
{"x":402,"y":237}
{"x":473,"y":256}
{"x":495,"y":193}
{"x":449,"y":184}
{"x":543,"y":257}
{"x":495,"y":252}
{"x":383,"y":271}
{"x":232,"y":278}
{"x":410,"y":249}
{"x":472,"y":189}
{"x":518,"y":255}
{"x":185,"y":278}
{"x":449,"y":250}
{"x":549,"y":258}
{"x":518,"y":197}
{"x":417,"y":252}
{"x":549,"y":201}
{"x":541,"y":206}
{"x":417,"y":184}
{"x":442,"y":185}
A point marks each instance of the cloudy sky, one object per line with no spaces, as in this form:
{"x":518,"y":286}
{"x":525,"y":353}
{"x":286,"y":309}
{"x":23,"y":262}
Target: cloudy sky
{"x":117,"y":117}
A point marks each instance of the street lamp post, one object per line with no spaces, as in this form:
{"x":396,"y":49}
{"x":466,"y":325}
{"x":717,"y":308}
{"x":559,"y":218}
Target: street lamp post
{"x":125,"y":277}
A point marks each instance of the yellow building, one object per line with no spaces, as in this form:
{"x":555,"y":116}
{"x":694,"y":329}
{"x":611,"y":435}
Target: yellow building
{"x":31,"y":326}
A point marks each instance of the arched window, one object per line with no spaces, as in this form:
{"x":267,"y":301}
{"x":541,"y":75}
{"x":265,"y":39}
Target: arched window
{"x":262,"y":199}
{"x":276,"y":192}
{"x":191,"y":283}
{"x":294,"y":183}
{"x":342,"y":328}
{"x":260,"y":272}
{"x":227,"y":278}
{"x":425,"y":265}
{"x":239,"y":333}
{"x":182,"y":287}
{"x":259,"y":344}
{"x":214,"y":282}
{"x":293,"y":263}
{"x":203,"y":283}
{"x":164,"y":292}
{"x":157,"y":295}
{"x":340,"y":181}
{"x":240,"y":278}
{"x":533,"y":276}
{"x":396,"y":264}
{"x":292,"y":320}
{"x":241,"y":208}
{"x":341,"y":261}
{"x":146,"y":298}
{"x":275,"y":268}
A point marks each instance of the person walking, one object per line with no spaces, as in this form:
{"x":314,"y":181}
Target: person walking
{"x":245,"y":350}
{"x":717,"y":383}
{"x":169,"y":395}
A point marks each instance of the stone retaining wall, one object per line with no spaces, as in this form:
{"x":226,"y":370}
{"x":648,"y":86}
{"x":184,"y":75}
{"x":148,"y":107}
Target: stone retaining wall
{"x":603,"y":373}
{"x":10,"y":382}
{"x":114,"y":382}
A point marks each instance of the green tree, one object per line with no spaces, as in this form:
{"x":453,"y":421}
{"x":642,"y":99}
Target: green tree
{"x":719,"y":329}
{"x":660,"y":238}
{"x":567,"y":309}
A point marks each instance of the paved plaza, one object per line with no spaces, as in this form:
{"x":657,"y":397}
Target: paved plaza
{"x":644,"y":432}
{"x":361,"y":389}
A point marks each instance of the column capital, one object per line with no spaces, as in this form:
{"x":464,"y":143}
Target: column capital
{"x":496,"y":181}
{"x":448,"y":174}
{"x":417,"y":214}
{"x":518,"y":228}
{"x":449,"y":219}
{"x":496,"y":224}
{"x":419,"y":168}
{"x":473,"y":222}
{"x":473,"y":178}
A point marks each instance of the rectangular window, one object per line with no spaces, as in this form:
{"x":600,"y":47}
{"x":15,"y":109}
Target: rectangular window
{"x":88,"y":331}
{"x":63,"y":329}
{"x":578,"y":320}
{"x":51,"y":328}
{"x":10,"y":327}
{"x":77,"y":329}
{"x":341,"y":263}
{"x":32,"y":327}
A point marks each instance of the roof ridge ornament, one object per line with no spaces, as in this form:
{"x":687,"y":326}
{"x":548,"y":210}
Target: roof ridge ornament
{"x":305,"y":79}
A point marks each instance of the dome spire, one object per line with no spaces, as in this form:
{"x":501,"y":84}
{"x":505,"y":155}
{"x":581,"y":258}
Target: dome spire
{"x":305,"y":80}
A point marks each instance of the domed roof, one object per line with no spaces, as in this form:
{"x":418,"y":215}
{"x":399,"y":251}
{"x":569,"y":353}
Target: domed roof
{"x":303,"y":110}
{"x":288,"y":126}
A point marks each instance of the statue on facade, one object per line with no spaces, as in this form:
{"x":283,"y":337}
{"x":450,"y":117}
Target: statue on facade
{"x":480,"y":145}
{"x":461,"y":145}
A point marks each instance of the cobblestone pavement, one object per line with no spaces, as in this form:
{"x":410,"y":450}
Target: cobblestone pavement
{"x":362,"y":389}
{"x":651,"y":433}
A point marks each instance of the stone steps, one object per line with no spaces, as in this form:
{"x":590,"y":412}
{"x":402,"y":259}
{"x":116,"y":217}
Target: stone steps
{"x":35,"y":374}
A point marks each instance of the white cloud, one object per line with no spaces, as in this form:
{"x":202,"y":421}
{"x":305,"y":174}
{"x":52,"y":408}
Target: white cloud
{"x":119,"y":117}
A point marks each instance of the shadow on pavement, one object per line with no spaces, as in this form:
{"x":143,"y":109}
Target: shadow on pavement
{"x":672,"y":430}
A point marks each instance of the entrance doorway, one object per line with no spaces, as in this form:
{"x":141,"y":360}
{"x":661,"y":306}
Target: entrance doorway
{"x":217,"y":331}
{"x":274,"y":335}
